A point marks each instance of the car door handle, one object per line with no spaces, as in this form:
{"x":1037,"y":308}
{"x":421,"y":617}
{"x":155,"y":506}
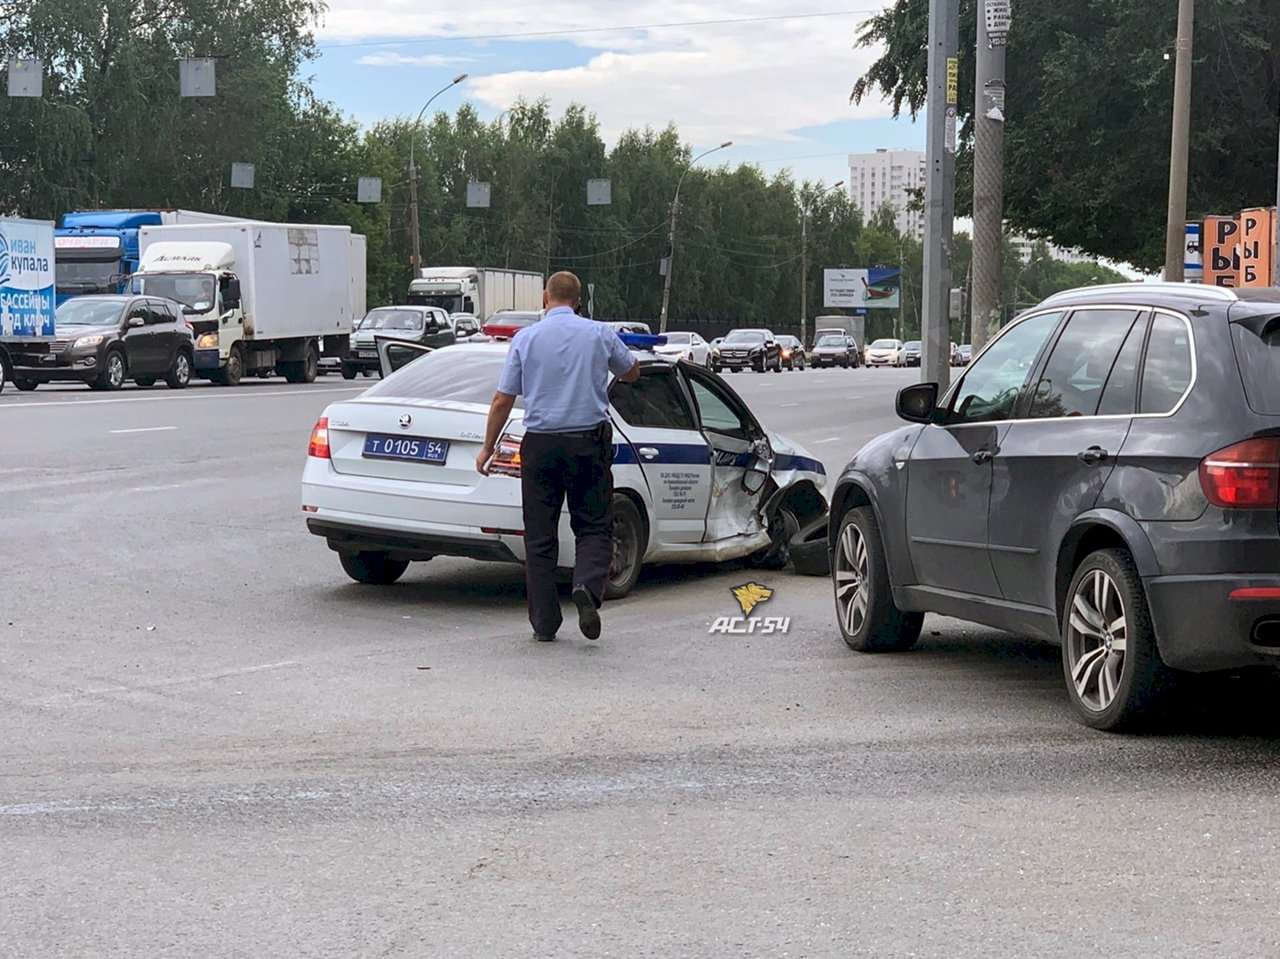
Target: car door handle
{"x":648,"y":452}
{"x":1092,"y":456}
{"x":984,"y":456}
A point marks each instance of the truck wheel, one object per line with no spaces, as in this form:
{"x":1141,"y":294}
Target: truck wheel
{"x":376,"y":569}
{"x":230,"y":374}
{"x":304,"y":370}
{"x":348,"y":371}
{"x":5,"y":376}
{"x":179,"y":374}
{"x":25,"y":386}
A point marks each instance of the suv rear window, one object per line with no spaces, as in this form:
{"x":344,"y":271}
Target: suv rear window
{"x":460,"y":375}
{"x":1259,"y":357}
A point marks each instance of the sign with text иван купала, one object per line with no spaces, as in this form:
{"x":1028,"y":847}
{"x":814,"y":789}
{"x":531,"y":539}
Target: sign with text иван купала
{"x":26,"y":278}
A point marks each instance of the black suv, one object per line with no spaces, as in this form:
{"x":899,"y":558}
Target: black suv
{"x":794,"y":355}
{"x":105,"y":340}
{"x":425,"y":325}
{"x":1105,"y":474}
{"x":757,"y":350}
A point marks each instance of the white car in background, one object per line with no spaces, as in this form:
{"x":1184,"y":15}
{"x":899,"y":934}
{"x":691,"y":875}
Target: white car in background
{"x":886,"y":352}
{"x":391,"y":479}
{"x":685,"y":346}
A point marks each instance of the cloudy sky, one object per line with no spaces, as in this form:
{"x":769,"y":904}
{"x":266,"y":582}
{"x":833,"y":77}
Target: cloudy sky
{"x":772,"y":77}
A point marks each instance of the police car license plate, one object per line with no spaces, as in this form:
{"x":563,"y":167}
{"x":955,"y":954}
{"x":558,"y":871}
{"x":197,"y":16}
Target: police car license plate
{"x":379,"y":446}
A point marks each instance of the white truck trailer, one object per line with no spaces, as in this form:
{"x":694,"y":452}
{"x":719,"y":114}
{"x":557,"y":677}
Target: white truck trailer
{"x":262,"y":297}
{"x":480,"y":290}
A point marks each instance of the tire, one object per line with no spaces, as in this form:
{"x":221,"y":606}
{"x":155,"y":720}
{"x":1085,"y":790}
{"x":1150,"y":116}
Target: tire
{"x":1115,"y":676}
{"x":5,"y":375}
{"x":113,"y":372}
{"x":348,"y":371}
{"x":179,"y":375}
{"x":146,"y":382}
{"x":374,"y":569}
{"x":869,"y":621}
{"x":628,"y":548}
{"x":25,"y":386}
{"x":230,"y":374}
{"x":783,"y":525}
{"x":304,"y":370}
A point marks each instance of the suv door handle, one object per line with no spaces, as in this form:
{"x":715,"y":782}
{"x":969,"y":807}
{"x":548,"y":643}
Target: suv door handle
{"x":984,"y":456}
{"x":1092,"y":456}
{"x":648,"y":452}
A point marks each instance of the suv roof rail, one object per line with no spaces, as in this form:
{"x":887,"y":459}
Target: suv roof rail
{"x":1197,"y":291}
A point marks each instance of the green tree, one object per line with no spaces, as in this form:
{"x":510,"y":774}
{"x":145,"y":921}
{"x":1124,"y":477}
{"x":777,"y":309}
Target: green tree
{"x":1089,"y":105}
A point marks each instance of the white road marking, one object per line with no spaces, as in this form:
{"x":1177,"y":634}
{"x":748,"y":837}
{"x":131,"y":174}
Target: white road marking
{"x":829,"y":439}
{"x":145,"y":429}
{"x":164,"y":683}
{"x":787,"y":406}
{"x":155,"y":489}
{"x":208,"y":395}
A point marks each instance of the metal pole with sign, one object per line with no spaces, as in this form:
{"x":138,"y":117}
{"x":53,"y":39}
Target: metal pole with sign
{"x":1179,"y":146}
{"x":988,"y":169}
{"x":940,"y":187}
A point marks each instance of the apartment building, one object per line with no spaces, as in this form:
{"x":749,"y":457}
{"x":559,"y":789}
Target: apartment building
{"x":888,"y":178}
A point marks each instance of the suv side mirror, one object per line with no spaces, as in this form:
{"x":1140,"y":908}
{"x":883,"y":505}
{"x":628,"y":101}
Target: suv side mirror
{"x":917,"y":404}
{"x":136,"y":321}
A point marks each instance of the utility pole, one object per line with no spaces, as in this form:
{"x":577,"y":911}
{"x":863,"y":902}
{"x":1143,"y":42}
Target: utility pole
{"x":940,"y":188}
{"x":804,"y":258}
{"x":1176,"y":226}
{"x":671,"y":236}
{"x":988,"y":170}
{"x":1275,"y":222}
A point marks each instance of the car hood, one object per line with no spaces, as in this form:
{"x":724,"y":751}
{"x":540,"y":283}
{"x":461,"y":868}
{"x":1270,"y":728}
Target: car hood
{"x":68,"y":331}
{"x":366,"y":337}
{"x":829,"y":349}
{"x":792,"y":459}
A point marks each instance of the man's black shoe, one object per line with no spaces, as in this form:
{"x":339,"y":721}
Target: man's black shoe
{"x":588,"y":615}
{"x":544,"y":637}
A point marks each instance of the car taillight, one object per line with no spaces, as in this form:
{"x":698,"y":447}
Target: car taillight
{"x":506,"y":456}
{"x":1243,"y":476}
{"x":319,"y":447}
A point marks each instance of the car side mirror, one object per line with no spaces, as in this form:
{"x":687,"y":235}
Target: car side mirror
{"x":753,"y":479}
{"x":136,"y":321}
{"x":918,"y":403}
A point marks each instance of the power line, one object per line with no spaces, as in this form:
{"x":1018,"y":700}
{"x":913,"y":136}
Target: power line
{"x":572,"y":31}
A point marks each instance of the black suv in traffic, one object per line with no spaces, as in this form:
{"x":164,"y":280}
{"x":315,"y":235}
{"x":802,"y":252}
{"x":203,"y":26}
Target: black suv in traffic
{"x":105,"y":340}
{"x":1105,"y":474}
{"x":757,"y":350}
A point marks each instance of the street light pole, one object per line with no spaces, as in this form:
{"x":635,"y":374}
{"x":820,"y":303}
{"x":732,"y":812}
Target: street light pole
{"x":413,"y":177}
{"x":1176,"y":227}
{"x":671,"y":236}
{"x":804,"y":258}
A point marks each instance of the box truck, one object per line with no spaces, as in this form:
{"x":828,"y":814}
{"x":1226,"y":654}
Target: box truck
{"x":26,"y":290}
{"x":261,"y":297}
{"x":480,"y":290}
{"x":97,"y":250}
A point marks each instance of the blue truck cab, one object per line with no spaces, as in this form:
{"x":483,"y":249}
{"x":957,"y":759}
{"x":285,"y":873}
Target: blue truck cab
{"x":96,"y":250}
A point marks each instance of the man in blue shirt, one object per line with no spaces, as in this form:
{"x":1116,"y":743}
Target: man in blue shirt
{"x":561,"y":366}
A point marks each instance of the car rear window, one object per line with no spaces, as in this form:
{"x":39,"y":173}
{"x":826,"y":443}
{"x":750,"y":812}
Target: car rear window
{"x":1258,"y":354}
{"x":460,"y":375}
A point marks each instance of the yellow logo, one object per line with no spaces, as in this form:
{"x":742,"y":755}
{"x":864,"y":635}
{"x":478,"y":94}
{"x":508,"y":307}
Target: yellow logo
{"x":751,"y":595}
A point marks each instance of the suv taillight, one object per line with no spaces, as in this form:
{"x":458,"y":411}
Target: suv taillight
{"x":1243,"y":476}
{"x":319,"y":447}
{"x":506,"y":456}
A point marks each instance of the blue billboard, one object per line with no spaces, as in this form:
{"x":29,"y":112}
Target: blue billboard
{"x":26,"y":278}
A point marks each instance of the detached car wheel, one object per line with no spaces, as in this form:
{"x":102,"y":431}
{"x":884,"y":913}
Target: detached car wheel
{"x":376,"y":569}
{"x":869,"y":620}
{"x":628,"y":549}
{"x":1115,"y":676}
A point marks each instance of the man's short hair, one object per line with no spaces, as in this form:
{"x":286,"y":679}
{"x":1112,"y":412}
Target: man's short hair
{"x":564,"y":287}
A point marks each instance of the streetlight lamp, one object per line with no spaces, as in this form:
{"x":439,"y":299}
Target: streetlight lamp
{"x":804,"y":254}
{"x":671,"y":236}
{"x":413,"y":176}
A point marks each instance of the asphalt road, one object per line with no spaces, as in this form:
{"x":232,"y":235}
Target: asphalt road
{"x":216,"y":745}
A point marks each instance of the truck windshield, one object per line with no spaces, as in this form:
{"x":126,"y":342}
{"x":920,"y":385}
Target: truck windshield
{"x":195,"y":290}
{"x":87,"y":312}
{"x":449,"y":302}
{"x":87,"y":276}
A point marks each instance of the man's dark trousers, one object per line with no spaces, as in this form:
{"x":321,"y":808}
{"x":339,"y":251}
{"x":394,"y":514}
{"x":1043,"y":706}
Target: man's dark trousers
{"x":555,"y":467}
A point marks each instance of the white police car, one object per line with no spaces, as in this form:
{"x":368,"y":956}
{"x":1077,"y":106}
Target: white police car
{"x":391,"y":478}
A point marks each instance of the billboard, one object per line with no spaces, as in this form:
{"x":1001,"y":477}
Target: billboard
{"x":1257,"y":241}
{"x":1239,"y":250}
{"x":26,"y":278}
{"x":876,"y":288}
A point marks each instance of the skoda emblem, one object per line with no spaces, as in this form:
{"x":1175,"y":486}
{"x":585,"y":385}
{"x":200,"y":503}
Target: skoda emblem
{"x":405,"y":421}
